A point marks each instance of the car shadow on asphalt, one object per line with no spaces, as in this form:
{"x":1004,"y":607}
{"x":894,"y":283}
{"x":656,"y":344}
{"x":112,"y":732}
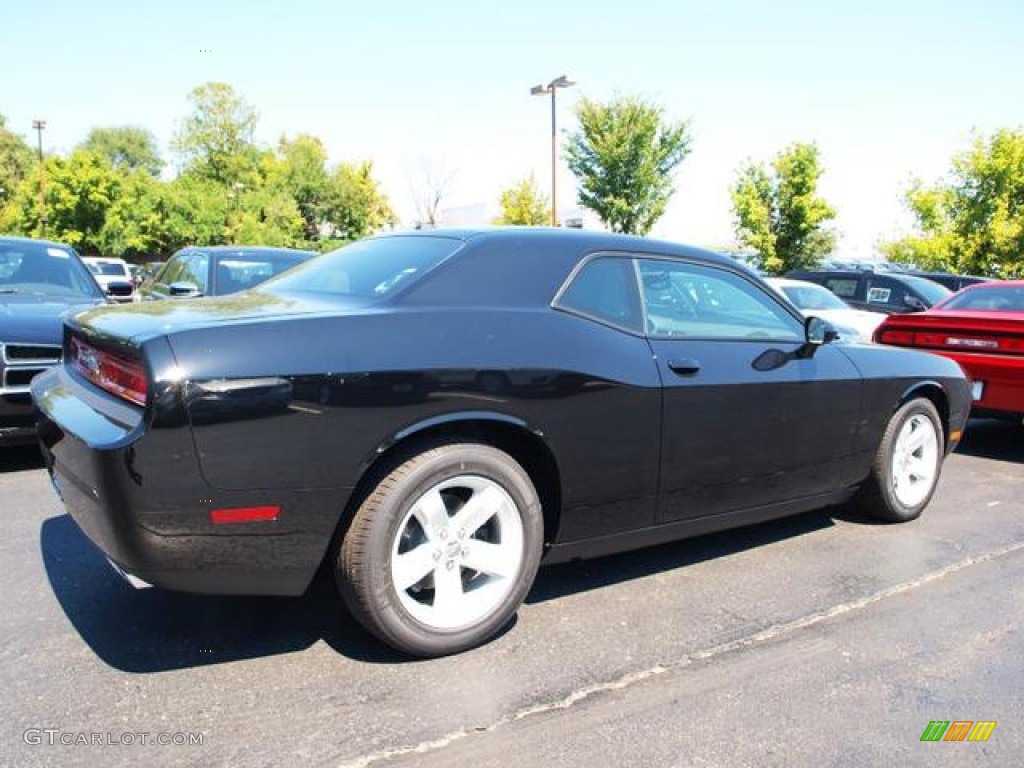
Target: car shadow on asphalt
{"x":581,"y":576}
{"x":153,"y":630}
{"x":20,"y":458}
{"x":993,"y":439}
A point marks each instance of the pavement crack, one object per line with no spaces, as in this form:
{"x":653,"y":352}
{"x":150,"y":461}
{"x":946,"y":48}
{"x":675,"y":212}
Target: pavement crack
{"x":759,"y":637}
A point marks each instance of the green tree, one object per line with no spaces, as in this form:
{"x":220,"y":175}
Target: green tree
{"x":299,"y":168}
{"x":624,"y":156}
{"x":522,"y":204}
{"x":79,"y":192}
{"x":265,"y":216}
{"x":16,"y":160}
{"x":778,"y":212}
{"x":971,"y":222}
{"x":356,"y":206}
{"x":216,"y":140}
{"x":127,"y":147}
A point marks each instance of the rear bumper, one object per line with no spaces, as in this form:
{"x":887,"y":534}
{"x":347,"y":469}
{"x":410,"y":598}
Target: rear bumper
{"x":138,"y":495}
{"x":1003,"y":379}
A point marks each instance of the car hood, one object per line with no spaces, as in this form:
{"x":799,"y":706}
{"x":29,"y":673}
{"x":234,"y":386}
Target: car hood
{"x":146,"y":320}
{"x":34,"y":318}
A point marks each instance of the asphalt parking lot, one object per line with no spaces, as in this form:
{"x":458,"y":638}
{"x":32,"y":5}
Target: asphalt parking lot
{"x":821,"y":640}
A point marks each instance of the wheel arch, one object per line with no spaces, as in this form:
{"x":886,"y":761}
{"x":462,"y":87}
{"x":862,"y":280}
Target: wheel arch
{"x":506,"y":433}
{"x":934,"y":392}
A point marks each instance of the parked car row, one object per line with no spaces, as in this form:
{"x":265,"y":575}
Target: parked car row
{"x":433,"y":415}
{"x":40,"y":281}
{"x":885,"y":292}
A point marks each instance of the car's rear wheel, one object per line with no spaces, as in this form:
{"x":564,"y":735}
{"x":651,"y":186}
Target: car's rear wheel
{"x":907,"y":465}
{"x":443,"y":550}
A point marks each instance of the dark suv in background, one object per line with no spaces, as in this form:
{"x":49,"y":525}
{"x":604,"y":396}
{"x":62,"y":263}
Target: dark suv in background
{"x":953,"y":282}
{"x":887,"y":292}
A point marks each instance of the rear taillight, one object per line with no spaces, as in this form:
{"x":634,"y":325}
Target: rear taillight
{"x":887,"y":336}
{"x":942,"y":339}
{"x":117,"y":374}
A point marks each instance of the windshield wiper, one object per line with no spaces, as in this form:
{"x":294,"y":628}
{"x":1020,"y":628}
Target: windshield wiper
{"x":9,"y":290}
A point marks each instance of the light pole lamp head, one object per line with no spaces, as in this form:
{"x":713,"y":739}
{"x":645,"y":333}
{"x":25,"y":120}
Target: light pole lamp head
{"x":38,"y":124}
{"x":561,"y":82}
{"x":539,"y":90}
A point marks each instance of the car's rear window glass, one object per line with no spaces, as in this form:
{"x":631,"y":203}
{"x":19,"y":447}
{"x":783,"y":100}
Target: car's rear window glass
{"x":369,"y":269}
{"x":108,"y":268}
{"x":1008,"y":298}
{"x":844,"y":289}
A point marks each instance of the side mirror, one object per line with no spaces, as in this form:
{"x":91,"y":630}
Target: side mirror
{"x":816,"y":333}
{"x":914,"y":303}
{"x":184,"y":290}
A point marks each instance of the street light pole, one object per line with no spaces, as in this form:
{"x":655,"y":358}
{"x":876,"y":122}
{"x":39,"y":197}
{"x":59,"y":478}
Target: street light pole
{"x":540,"y":90}
{"x":39,"y":124}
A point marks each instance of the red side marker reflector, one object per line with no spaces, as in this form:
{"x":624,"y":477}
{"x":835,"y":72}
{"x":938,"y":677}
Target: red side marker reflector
{"x":244,"y":515}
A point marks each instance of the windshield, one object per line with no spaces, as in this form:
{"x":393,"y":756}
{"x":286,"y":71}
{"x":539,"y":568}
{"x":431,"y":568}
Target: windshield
{"x":932,"y":292}
{"x":991,"y":298}
{"x":810,"y":297}
{"x":370,"y":269}
{"x":43,"y":268}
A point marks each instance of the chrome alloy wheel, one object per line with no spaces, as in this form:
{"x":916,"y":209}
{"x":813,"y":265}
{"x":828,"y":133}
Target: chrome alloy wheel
{"x":915,"y":460}
{"x":458,"y":552}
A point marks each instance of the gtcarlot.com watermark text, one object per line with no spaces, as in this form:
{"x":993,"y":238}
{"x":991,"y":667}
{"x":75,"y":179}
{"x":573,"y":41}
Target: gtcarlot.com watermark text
{"x":56,"y":736}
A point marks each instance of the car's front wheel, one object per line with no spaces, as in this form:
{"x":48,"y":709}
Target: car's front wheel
{"x":442,"y":552}
{"x":907,"y":465}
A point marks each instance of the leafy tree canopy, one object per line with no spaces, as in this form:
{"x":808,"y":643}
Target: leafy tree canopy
{"x":971,"y":222}
{"x":778,"y":212}
{"x":216,"y":140}
{"x":16,"y":159}
{"x":624,"y":155}
{"x":127,"y":147}
{"x":522,"y":204}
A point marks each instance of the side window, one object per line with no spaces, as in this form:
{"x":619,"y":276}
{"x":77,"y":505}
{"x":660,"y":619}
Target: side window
{"x":843,"y":287}
{"x":197,"y":270}
{"x":689,"y":300}
{"x":605,"y":290}
{"x":885,"y":292}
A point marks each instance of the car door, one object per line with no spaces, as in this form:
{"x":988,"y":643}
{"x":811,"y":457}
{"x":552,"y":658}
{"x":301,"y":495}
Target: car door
{"x":748,"y":418}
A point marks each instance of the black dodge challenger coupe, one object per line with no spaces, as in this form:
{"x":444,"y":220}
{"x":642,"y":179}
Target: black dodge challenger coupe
{"x":437,"y":413}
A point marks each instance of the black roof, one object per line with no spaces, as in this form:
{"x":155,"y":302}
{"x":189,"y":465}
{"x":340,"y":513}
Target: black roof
{"x":584,"y":239}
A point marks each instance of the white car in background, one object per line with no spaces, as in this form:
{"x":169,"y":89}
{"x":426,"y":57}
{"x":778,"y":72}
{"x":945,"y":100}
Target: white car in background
{"x":813,"y":299}
{"x":113,"y":276}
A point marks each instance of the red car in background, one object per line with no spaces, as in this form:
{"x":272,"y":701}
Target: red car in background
{"x":982,"y":329}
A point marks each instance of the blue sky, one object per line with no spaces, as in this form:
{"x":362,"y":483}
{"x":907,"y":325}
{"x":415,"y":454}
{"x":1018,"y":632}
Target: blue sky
{"x":888,"y":90}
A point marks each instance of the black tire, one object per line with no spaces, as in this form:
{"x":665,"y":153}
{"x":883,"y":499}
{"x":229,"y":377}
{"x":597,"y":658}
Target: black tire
{"x":879,"y":495}
{"x":386,"y":521}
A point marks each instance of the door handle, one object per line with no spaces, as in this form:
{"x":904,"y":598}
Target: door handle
{"x":684,"y":367}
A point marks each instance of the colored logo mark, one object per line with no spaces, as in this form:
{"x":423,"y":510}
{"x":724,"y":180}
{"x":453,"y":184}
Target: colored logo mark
{"x":958,"y":730}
